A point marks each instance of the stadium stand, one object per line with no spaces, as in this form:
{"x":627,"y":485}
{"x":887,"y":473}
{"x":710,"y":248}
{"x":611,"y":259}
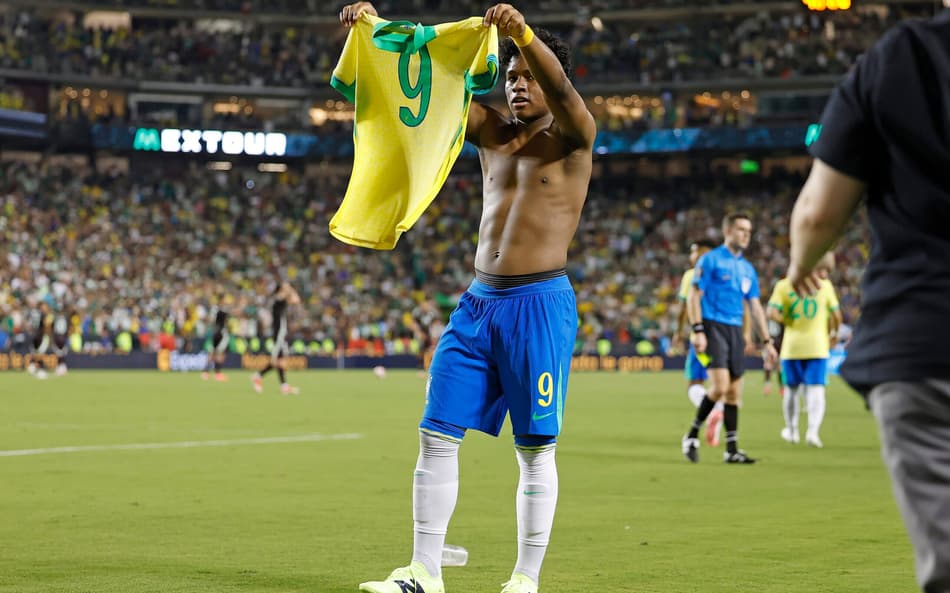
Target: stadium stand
{"x":132,"y":243}
{"x":750,"y":46}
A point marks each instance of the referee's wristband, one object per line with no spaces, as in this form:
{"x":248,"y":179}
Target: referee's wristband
{"x":699,"y":328}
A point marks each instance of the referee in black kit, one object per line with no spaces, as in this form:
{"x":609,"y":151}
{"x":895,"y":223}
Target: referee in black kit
{"x":886,"y":131}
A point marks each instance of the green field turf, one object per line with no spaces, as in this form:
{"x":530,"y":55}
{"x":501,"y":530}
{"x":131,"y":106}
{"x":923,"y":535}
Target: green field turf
{"x":322,"y":516}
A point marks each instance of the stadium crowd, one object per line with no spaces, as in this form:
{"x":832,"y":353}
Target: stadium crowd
{"x":763,"y":45}
{"x":149,"y":256}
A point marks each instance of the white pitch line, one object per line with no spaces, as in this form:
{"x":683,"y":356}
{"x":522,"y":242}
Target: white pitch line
{"x":304,"y":438}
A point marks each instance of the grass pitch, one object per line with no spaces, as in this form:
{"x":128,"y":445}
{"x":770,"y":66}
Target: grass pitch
{"x":249,"y":513}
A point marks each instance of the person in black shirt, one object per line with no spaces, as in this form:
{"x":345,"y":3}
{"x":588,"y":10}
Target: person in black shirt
{"x":886,"y":132}
{"x":284,"y":296}
{"x":219,"y":346}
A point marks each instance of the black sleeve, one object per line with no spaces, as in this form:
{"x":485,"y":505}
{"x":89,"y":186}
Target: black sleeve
{"x":848,"y":140}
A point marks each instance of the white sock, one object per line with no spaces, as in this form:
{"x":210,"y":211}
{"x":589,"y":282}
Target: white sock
{"x":696,"y":393}
{"x":815,"y":400}
{"x":790,"y":407}
{"x":535,"y":504}
{"x":720,"y":405}
{"x":435,"y":488}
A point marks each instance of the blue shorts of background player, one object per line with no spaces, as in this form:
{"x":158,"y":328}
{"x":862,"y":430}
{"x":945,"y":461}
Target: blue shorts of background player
{"x":504,"y":351}
{"x":695,"y":371}
{"x":812,"y":371}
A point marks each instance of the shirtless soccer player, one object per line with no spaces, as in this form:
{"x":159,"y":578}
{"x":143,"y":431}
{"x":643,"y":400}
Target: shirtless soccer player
{"x":507,"y":347}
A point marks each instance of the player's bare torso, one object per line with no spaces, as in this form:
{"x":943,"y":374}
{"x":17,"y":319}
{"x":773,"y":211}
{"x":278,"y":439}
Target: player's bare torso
{"x":534,"y":187}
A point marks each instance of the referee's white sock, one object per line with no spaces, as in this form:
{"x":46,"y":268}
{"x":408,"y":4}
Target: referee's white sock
{"x":435,"y":487}
{"x":535,"y":504}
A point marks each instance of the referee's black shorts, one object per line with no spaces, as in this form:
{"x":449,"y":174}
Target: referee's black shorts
{"x":725,"y":347}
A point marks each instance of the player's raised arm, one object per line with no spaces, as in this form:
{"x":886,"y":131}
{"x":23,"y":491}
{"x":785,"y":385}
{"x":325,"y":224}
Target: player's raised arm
{"x":352,"y":12}
{"x":569,"y":110}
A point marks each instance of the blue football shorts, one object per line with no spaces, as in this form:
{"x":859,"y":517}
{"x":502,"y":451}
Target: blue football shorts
{"x":812,"y":371}
{"x":505,"y":351}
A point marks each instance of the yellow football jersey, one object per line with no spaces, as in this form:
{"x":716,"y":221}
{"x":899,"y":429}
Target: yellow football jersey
{"x":685,"y":283}
{"x":412,"y":87}
{"x":806,"y":320}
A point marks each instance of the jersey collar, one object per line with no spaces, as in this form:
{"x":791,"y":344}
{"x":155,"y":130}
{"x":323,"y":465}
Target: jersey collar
{"x":402,"y":36}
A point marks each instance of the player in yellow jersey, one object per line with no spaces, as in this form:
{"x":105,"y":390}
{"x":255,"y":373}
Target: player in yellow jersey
{"x":507,"y":348}
{"x":696,"y":374}
{"x":809,"y":322}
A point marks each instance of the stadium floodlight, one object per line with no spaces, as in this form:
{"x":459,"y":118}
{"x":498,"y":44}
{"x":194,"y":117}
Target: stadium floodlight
{"x":820,"y":5}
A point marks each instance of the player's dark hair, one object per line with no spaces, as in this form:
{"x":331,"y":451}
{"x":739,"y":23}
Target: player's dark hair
{"x":562,"y":50}
{"x":705,"y":244}
{"x":732,"y":217}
